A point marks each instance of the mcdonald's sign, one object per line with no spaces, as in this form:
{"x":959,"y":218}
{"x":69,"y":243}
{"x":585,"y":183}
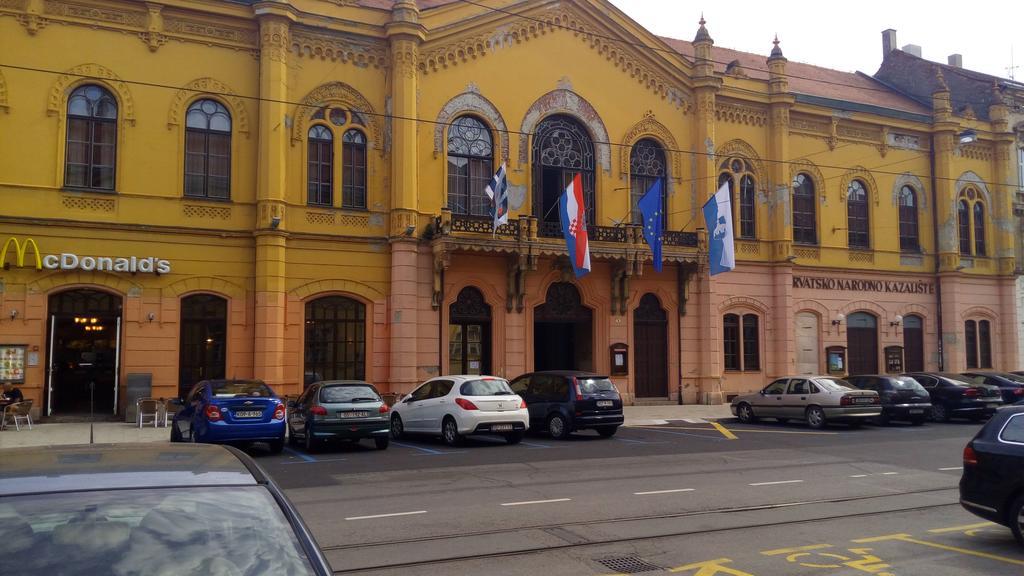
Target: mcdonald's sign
{"x":20,"y":248}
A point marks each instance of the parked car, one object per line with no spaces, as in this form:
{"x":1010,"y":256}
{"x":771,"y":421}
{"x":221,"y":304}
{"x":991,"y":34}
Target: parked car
{"x":992,"y":484}
{"x":338,"y":409}
{"x":563,"y":402}
{"x":1010,"y":385}
{"x":231,"y":411}
{"x":817,"y":399}
{"x":953,"y":396}
{"x":457,"y":406}
{"x":901,"y":396}
{"x":153,"y":508}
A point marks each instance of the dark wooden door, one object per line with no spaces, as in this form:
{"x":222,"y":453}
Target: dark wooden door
{"x":650,"y":348}
{"x":862,"y":344}
{"x":203,"y":345}
{"x":913,"y":344}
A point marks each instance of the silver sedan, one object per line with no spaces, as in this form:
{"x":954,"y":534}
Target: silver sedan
{"x":816,"y":399}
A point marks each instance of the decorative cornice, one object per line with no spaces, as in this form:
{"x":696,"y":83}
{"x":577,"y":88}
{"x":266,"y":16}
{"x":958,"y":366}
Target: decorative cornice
{"x":740,"y":114}
{"x":435,"y":58}
{"x":651,"y":127}
{"x":981,"y":152}
{"x":347,"y":97}
{"x":473,"y":103}
{"x":336,"y":47}
{"x":212,"y":87}
{"x":189,"y":27}
{"x":84,"y":73}
{"x":95,"y":13}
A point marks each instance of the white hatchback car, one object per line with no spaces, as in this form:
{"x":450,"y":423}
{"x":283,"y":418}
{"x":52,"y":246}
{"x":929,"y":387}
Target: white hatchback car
{"x":456,"y":406}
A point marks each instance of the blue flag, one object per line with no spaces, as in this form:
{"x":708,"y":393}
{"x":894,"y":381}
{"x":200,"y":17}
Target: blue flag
{"x":650,"y":206}
{"x":718,"y":219}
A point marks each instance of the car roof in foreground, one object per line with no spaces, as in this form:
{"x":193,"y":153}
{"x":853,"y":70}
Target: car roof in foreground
{"x":344,"y":383}
{"x":44,"y":469}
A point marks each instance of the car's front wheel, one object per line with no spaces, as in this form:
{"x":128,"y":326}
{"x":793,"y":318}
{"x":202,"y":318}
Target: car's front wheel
{"x":815,"y":417}
{"x":450,"y":432}
{"x":397,"y":428}
{"x":309,"y":441}
{"x":1016,"y":517}
{"x":745,"y":413}
{"x":175,"y":433}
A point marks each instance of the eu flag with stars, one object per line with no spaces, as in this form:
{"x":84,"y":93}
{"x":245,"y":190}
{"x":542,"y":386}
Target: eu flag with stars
{"x":651,"y":208}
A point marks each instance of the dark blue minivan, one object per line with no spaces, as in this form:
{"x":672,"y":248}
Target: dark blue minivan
{"x":564,"y":401}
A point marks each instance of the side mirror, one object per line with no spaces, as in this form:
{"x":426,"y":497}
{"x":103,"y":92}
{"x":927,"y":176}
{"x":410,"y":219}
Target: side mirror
{"x":407,"y":399}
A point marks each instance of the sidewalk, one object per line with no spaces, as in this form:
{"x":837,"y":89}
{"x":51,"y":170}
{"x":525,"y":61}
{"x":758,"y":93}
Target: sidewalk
{"x":118,"y":432}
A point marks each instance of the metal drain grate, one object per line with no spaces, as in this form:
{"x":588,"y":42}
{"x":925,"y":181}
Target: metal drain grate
{"x":629,"y":565}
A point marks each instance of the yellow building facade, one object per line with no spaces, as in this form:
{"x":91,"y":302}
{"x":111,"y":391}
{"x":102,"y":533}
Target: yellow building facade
{"x":292,"y":190}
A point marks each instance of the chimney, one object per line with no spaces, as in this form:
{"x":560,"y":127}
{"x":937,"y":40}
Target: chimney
{"x":956,"y":60}
{"x":888,"y":42}
{"x":912,"y":49}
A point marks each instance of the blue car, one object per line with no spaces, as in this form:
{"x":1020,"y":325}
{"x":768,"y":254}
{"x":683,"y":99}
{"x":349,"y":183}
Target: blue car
{"x":231,"y":412}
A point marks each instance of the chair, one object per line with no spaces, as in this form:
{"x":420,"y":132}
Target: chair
{"x":169,"y":407}
{"x":17,"y":412}
{"x":147,"y":407}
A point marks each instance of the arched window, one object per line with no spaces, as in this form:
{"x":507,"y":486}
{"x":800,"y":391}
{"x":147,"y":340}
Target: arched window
{"x":979,"y":229}
{"x":805,"y":222}
{"x":971,"y":343}
{"x":646,"y":166}
{"x":562,"y":148}
{"x":740,"y":172}
{"x":470,"y":166}
{"x":91,"y":145}
{"x":857,"y":216}
{"x":320,"y":162}
{"x":335,"y":339}
{"x":469,"y":333}
{"x":908,"y":220}
{"x":208,"y":150}
{"x":353,"y":169}
{"x":964,"y":220}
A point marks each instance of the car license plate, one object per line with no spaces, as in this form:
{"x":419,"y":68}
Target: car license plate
{"x":359,"y":414}
{"x":248,"y":413}
{"x":501,"y":427}
{"x":862,"y":400}
{"x":917,"y":411}
{"x":604,"y":403}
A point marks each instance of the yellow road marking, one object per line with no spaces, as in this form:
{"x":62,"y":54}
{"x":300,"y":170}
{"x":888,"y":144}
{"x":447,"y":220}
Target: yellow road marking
{"x":962,"y":528}
{"x":725,"y":431}
{"x":711,"y":568}
{"x":797,"y":549}
{"x":908,"y":538}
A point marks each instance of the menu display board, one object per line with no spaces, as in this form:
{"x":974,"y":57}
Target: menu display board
{"x":12,"y":363}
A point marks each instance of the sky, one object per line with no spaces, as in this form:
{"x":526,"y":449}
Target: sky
{"x":847,"y":36}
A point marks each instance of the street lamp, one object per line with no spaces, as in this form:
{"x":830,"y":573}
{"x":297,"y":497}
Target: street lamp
{"x":838,"y":319}
{"x":896,"y":321}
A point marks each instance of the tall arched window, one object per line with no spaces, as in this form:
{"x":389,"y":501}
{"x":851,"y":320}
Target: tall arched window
{"x":91,"y":144}
{"x":971,"y":343}
{"x":353,"y":169}
{"x":984,"y":344}
{"x":470,"y":166}
{"x":908,"y":220}
{"x":320,"y":161}
{"x":964,"y":221}
{"x":805,"y":221}
{"x":562,"y":148}
{"x":859,"y":235}
{"x":469,"y":333}
{"x":979,"y":229}
{"x":646,"y":166}
{"x":335,"y":339}
{"x":740,"y":172}
{"x":208,"y":150}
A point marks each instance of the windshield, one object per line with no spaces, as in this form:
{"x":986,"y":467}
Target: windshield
{"x":958,"y":379}
{"x":234,"y":388}
{"x":343,"y":394}
{"x":194,"y":531}
{"x":595,"y":385}
{"x":906,"y":383}
{"x":489,"y":387}
{"x":834,"y":384}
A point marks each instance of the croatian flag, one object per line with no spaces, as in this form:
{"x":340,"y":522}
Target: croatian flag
{"x":574,"y":226}
{"x":497,"y":191}
{"x":718,"y":219}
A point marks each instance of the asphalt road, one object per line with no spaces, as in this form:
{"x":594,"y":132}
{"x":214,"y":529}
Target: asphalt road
{"x":756,"y":499}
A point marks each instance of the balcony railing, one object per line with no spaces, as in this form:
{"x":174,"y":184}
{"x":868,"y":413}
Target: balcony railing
{"x":610,"y":234}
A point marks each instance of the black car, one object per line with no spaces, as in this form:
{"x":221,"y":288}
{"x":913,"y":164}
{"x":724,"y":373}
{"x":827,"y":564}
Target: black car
{"x":992,"y":485}
{"x":562,"y":402}
{"x":1011,"y":385}
{"x":954,"y":397}
{"x":902,"y":397}
{"x":136,"y":509}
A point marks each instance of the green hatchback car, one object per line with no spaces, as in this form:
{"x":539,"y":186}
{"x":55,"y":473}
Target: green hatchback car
{"x":338,"y":410}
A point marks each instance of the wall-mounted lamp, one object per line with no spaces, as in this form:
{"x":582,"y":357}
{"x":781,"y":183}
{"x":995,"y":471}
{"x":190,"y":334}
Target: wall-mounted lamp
{"x":275,"y":221}
{"x":151,"y":316}
{"x":967,"y":137}
{"x":14,"y":314}
{"x":838,"y":319}
{"x":896,"y":321}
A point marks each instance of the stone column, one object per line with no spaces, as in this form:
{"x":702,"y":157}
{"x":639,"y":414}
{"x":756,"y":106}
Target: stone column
{"x":271,"y":178}
{"x":944,"y":130}
{"x":1005,"y":228}
{"x":405,"y":34}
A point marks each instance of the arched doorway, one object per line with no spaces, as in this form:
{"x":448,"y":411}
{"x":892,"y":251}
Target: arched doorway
{"x":469,"y":334}
{"x":807,"y":346}
{"x":335,"y":339}
{"x":563,"y":331}
{"x":913,"y":343}
{"x":203,"y":342}
{"x":562,"y":148}
{"x":83,"y":352}
{"x":650,"y":348}
{"x":862,"y":343}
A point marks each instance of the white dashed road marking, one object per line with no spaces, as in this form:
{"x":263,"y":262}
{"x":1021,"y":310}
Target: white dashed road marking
{"x":536,"y":502}
{"x":386,"y":515}
{"x":779,"y":482}
{"x":663,"y":491}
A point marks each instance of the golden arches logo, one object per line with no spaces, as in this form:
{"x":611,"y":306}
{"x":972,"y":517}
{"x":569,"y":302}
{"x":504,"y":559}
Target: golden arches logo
{"x":20,"y":248}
